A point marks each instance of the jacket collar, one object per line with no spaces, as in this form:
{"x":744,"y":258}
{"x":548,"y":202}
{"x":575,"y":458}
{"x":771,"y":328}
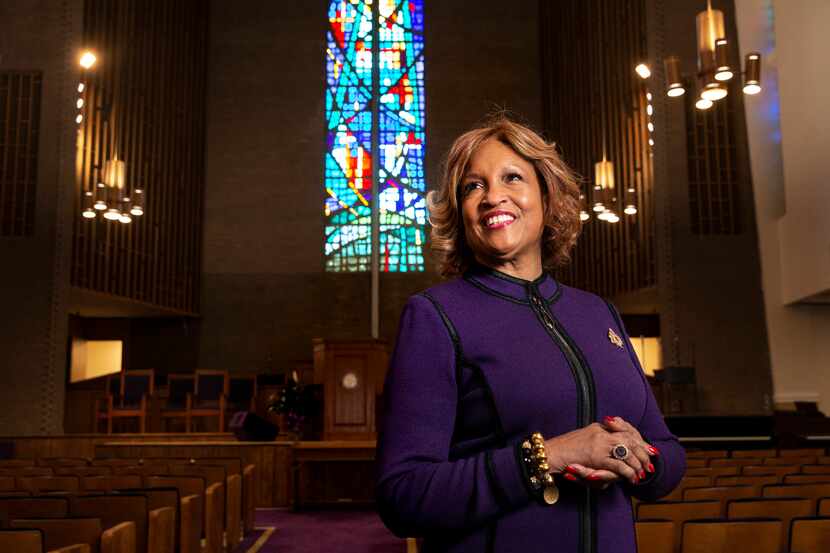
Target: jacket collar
{"x":510,"y":287}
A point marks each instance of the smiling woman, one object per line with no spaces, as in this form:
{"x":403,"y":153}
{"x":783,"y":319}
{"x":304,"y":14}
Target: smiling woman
{"x":504,"y":168}
{"x":517,"y":416}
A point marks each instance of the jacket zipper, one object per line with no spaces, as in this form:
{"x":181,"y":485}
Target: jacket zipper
{"x":586,"y":402}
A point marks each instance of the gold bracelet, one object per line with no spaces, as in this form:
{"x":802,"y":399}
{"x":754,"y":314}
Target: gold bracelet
{"x":536,"y":461}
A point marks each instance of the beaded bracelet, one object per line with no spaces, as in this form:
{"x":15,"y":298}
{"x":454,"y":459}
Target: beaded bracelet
{"x":535,"y":459}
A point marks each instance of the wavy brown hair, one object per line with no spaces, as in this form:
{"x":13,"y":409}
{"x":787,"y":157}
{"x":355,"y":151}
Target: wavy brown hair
{"x":560,"y":194}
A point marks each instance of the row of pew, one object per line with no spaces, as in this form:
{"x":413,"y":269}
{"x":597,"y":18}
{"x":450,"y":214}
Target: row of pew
{"x":767,"y":501}
{"x":169,"y":505}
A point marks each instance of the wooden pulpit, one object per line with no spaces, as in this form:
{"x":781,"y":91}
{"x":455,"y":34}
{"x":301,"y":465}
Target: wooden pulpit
{"x":352,"y":374}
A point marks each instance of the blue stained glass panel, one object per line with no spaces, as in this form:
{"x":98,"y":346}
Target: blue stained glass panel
{"x":399,"y":127}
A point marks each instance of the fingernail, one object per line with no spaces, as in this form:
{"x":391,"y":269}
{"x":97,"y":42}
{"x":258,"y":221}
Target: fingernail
{"x":653,"y":450}
{"x":650,"y":467}
{"x":593,"y":477}
{"x":642,"y":474}
{"x":569,"y":476}
{"x":572,"y":470}
{"x":609,"y":419}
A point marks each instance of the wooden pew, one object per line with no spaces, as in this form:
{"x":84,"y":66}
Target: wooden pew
{"x":62,"y":532}
{"x":41,"y":484}
{"x":32,"y":507}
{"x":31,"y":540}
{"x":191,"y":507}
{"x":110,"y":483}
{"x":112,"y":510}
{"x":161,"y":498}
{"x":119,"y":539}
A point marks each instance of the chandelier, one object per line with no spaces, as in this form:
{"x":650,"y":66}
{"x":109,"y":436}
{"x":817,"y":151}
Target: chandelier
{"x":713,"y":69}
{"x":111,"y":194}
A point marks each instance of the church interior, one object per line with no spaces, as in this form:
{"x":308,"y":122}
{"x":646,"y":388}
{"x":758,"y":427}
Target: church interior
{"x":205,"y":267}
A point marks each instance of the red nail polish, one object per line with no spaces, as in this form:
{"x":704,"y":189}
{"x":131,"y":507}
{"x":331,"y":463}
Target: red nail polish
{"x":569,"y":476}
{"x":572,"y":470}
{"x":650,"y":467}
{"x":608,"y":419}
{"x":653,"y":450}
{"x":642,"y":474}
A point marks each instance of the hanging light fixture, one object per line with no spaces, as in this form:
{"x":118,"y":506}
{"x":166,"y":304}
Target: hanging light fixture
{"x":89,"y":211}
{"x":114,"y":178}
{"x":673,"y":78}
{"x":713,"y":68}
{"x":752,"y":74}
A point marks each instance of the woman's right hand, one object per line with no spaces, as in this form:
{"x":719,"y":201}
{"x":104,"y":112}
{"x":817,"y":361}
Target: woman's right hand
{"x":591,"y":447}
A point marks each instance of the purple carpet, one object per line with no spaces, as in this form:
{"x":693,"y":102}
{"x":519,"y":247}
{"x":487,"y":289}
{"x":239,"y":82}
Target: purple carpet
{"x":323,"y":532}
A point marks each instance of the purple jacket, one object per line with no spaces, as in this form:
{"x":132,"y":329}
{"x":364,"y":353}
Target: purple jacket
{"x":481,"y":362}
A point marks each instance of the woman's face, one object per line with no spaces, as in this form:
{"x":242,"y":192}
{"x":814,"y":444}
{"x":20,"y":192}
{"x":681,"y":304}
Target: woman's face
{"x":501,"y":205}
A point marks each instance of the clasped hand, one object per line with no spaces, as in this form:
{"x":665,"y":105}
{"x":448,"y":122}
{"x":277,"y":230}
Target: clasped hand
{"x":585,"y":454}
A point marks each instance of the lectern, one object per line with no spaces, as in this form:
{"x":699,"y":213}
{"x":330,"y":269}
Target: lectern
{"x":352,"y":374}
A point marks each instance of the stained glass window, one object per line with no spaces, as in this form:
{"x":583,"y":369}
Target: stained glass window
{"x":399,"y":127}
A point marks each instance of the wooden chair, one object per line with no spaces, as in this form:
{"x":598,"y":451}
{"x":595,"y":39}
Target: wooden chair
{"x":16,"y":463}
{"x":809,"y":452}
{"x":119,"y":539}
{"x":180,"y":389}
{"x":824,"y":507}
{"x":704,"y":454}
{"x":31,"y":540}
{"x":767,"y":470}
{"x":114,"y":462}
{"x":110,"y":483}
{"x":687,"y":482}
{"x":784,"y":509}
{"x":755,"y":453}
{"x":713,"y":471}
{"x":740,"y":462}
{"x":32,"y":507}
{"x":814,"y":492}
{"x":27,"y":471}
{"x":210,"y":397}
{"x":83,"y":471}
{"x":756,"y":481}
{"x":112,"y":396}
{"x":823,"y":460}
{"x":807,"y":478}
{"x":720,"y":493}
{"x":815,"y":469}
{"x":655,"y":536}
{"x":678,"y":512}
{"x":137,"y":386}
{"x":789,"y":461}
{"x":147,"y":469}
{"x":810,"y":535}
{"x":59,"y":462}
{"x":113,"y":510}
{"x":63,"y":532}
{"x":242,"y":393}
{"x":758,"y":536}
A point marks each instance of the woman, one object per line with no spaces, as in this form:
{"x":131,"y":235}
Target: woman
{"x":501,"y":354}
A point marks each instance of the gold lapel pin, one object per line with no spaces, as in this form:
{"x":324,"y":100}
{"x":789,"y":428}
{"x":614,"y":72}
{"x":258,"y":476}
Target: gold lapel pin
{"x":615,"y":339}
